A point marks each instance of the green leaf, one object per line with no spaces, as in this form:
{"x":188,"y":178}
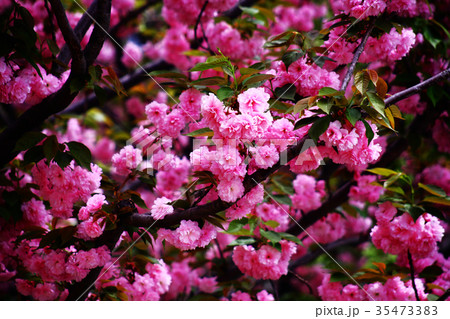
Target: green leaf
{"x":369,"y":132}
{"x":168,"y":75}
{"x":213,"y":80}
{"x":81,"y":153}
{"x":434,"y":190}
{"x":138,"y":201}
{"x":361,"y":81}
{"x":353,"y":115}
{"x":236,"y":225}
{"x":34,"y":154}
{"x":377,"y":103}
{"x":286,"y":92}
{"x":256,"y":78}
{"x":224,"y":93}
{"x":290,"y":57}
{"x":28,"y":140}
{"x":282,"y":199}
{"x":274,"y":237}
{"x":319,"y":127}
{"x":291,"y":237}
{"x":382,"y":171}
{"x":202,"y":66}
{"x":50,"y":147}
{"x":242,"y":241}
{"x":63,"y":159}
{"x":437,"y":200}
{"x":429,"y":35}
{"x":101,"y":94}
{"x":206,"y":131}
{"x":306,"y":121}
{"x":271,"y":223}
{"x":327,"y":91}
{"x":325,"y":105}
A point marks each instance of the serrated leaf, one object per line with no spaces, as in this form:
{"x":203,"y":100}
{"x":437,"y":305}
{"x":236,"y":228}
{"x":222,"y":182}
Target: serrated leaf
{"x":434,"y":190}
{"x":34,"y":154}
{"x":390,"y":117}
{"x":361,"y":81}
{"x":319,"y":127}
{"x":353,"y":115}
{"x":206,"y":131}
{"x":81,"y":153}
{"x":437,"y":200}
{"x":286,"y":92}
{"x":291,"y":237}
{"x":274,"y":237}
{"x":395,"y":112}
{"x":257,"y":78}
{"x":138,"y":201}
{"x":224,"y":93}
{"x":63,"y":159}
{"x":376,"y":102}
{"x":271,"y":223}
{"x":382,"y":171}
{"x":369,"y":132}
{"x":242,"y":241}
{"x":203,"y":66}
{"x":382,"y":88}
{"x":213,"y":80}
{"x":290,"y":57}
{"x":28,"y":140}
{"x":306,"y":121}
{"x":327,"y":91}
{"x":325,"y":105}
{"x":168,"y":75}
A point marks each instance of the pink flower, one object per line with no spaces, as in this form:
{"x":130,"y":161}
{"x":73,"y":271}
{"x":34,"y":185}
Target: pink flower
{"x":96,"y":202}
{"x":160,"y":208}
{"x":254,"y":100}
{"x":127,"y":159}
{"x":132,"y":54}
{"x":263,"y":295}
{"x":156,"y":112}
{"x":230,"y":190}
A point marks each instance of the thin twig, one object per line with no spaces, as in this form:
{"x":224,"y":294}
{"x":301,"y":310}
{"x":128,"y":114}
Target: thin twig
{"x":304,"y":281}
{"x":197,"y":23}
{"x":358,"y":52}
{"x":411,"y":268}
{"x":417,"y":88}
{"x":275,"y":290}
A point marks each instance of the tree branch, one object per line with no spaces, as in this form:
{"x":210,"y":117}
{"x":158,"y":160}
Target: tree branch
{"x":78,"y":61}
{"x":411,"y":268}
{"x":312,"y":255}
{"x":417,"y":88}
{"x":80,"y":30}
{"x":55,"y":103}
{"x":357,"y":54}
{"x":128,"y":81}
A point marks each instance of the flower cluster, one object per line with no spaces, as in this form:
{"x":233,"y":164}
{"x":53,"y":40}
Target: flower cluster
{"x":188,"y":235}
{"x":265,"y":263}
{"x":399,"y":235}
{"x":63,"y":187}
{"x":393,"y":289}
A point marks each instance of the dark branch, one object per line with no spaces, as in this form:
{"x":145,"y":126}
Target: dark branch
{"x":199,"y":212}
{"x":330,"y":247}
{"x":417,"y":88}
{"x":78,"y":61}
{"x":411,"y":268}
{"x":98,"y":36}
{"x":357,"y":54}
{"x":80,"y":30}
{"x":128,"y":81}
